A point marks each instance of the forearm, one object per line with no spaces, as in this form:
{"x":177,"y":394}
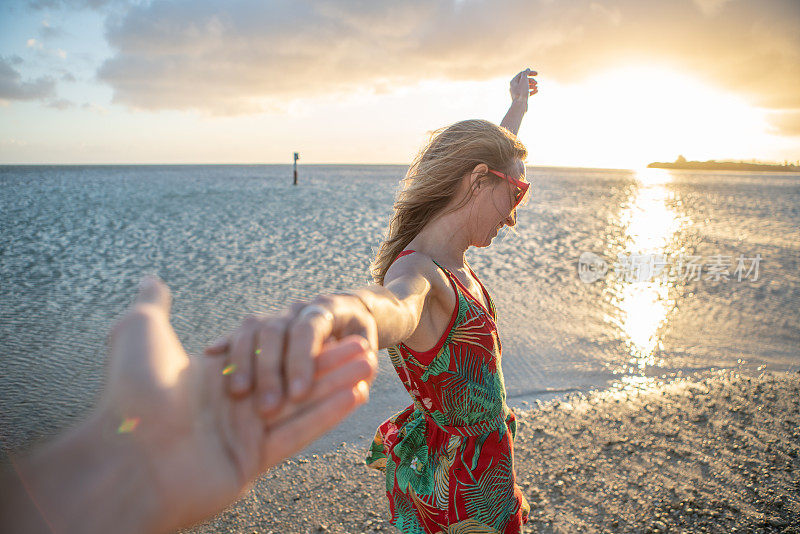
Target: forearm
{"x":87,"y":480}
{"x":394,"y":321}
{"x":513,"y":118}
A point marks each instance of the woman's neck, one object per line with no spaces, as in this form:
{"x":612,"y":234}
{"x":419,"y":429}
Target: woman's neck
{"x":444,"y":239}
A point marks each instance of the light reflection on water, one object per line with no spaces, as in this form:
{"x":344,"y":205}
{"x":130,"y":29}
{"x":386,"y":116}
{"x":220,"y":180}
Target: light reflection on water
{"x":650,"y":225}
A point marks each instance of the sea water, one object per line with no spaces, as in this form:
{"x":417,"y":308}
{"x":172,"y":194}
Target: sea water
{"x":236,"y":240}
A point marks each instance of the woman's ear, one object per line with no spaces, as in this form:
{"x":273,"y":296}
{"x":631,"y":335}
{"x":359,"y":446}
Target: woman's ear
{"x":478,"y":172}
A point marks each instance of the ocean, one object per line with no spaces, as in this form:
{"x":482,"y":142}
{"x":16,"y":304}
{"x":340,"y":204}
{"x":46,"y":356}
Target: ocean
{"x":614,"y":278}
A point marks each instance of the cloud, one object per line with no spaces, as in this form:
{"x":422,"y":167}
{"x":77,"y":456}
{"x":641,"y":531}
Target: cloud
{"x":710,"y":7}
{"x":243,"y":55}
{"x":12,"y":87}
{"x":786,"y":122}
{"x":50,"y":32}
{"x":96,"y":108}
{"x":76,"y":4}
{"x":60,"y":104}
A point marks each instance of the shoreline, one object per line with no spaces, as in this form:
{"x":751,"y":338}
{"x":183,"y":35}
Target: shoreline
{"x":714,"y":452}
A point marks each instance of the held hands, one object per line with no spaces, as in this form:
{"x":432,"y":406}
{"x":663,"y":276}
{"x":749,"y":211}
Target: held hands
{"x":275,"y":357}
{"x":523,"y":85}
{"x":201,"y":447}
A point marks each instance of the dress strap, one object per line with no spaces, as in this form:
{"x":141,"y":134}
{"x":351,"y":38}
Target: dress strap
{"x":455,"y":281}
{"x":403,"y":253}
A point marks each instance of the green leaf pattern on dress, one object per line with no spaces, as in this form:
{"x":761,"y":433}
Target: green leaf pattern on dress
{"x":414,"y":469}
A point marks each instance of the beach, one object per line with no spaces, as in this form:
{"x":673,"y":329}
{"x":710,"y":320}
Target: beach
{"x":715,"y":452}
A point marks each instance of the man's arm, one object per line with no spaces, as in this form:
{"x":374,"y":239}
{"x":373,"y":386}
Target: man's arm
{"x":87,"y":480}
{"x":165,"y":446}
{"x":521,"y":87}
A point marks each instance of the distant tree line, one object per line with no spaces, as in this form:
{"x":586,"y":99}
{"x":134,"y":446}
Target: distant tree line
{"x":714,"y":165}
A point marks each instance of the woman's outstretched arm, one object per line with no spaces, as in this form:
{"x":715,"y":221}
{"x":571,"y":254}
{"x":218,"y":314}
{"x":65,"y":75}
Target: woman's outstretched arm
{"x":521,"y":87}
{"x":397,"y":305}
{"x":383,"y":315}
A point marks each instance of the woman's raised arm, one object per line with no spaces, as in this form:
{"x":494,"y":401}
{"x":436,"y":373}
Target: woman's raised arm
{"x":521,"y":87}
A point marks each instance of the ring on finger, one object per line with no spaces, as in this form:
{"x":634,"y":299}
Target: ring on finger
{"x":315,"y":309}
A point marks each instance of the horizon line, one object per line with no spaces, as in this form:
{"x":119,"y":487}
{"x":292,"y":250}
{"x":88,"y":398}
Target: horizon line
{"x":150,"y":164}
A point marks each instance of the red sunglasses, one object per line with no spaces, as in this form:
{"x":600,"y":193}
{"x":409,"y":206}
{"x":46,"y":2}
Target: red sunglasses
{"x":521,"y":197}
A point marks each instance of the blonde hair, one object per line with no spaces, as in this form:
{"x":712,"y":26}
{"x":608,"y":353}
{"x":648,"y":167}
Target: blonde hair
{"x":434,"y":176}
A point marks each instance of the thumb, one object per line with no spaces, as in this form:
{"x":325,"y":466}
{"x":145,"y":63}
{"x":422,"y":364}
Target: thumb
{"x":154,"y":292}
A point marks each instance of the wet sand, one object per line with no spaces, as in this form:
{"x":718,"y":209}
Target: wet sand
{"x":716,"y":452}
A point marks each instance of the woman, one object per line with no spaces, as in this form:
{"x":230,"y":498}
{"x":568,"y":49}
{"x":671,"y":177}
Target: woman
{"x":448,"y":457}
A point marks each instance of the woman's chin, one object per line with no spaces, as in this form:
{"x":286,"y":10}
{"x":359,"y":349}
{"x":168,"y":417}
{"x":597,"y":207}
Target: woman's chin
{"x":489,"y":238}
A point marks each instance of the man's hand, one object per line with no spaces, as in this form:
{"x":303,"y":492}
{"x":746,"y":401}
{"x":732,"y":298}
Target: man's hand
{"x":166,"y":446}
{"x":205,"y":447}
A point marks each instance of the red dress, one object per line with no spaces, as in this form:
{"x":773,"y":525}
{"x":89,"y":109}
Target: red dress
{"x":449,"y":456}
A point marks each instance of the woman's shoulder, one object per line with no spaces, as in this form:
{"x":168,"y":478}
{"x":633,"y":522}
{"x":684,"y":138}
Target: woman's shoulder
{"x":420,"y":264}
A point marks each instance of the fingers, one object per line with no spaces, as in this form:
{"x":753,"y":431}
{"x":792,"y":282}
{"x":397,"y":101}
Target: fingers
{"x":518,"y":84}
{"x":532,"y":83}
{"x":239,"y":370}
{"x":268,"y":365}
{"x":335,"y":353}
{"x":296,"y":433}
{"x":304,"y":342}
{"x":349,"y":366}
{"x":361,"y":365}
{"x":220,"y":346}
{"x":152,"y":291}
{"x":277,"y":356}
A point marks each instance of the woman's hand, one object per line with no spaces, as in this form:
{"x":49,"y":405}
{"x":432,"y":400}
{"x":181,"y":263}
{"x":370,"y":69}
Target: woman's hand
{"x":523,"y":85}
{"x":275,"y":357}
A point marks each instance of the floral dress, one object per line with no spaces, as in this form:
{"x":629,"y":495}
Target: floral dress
{"x":449,"y":457}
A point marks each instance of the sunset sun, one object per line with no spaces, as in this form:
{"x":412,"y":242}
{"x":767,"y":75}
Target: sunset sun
{"x":635,"y":114}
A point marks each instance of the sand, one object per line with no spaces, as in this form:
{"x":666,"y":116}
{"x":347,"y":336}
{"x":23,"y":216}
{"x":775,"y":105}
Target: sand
{"x":717,"y":452}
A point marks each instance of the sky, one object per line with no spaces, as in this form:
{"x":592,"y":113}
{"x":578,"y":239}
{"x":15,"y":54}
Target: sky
{"x":621,"y":83}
